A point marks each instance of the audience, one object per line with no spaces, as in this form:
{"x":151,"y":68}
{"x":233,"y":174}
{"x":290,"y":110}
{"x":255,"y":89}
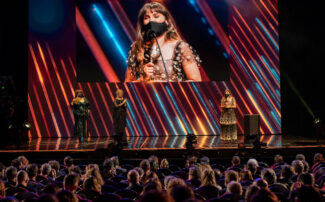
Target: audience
{"x":199,"y":180}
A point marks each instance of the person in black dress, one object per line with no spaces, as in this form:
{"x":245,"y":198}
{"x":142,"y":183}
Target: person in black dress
{"x":80,"y":109}
{"x":119,"y":118}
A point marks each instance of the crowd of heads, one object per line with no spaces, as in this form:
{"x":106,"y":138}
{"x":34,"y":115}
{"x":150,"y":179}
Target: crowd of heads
{"x":155,"y":179}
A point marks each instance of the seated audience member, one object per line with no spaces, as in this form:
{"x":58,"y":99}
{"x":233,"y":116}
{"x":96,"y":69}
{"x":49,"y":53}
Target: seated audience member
{"x":44,"y":176}
{"x":307,"y":193}
{"x":156,"y":196}
{"x":11,"y":176}
{"x":245,"y":178}
{"x":181,"y":193}
{"x":252,"y":165}
{"x":91,"y":189}
{"x":134,"y":181}
{"x":32,"y":171}
{"x":22,"y":192}
{"x":209,"y":188}
{"x":234,"y":192}
{"x":235,"y":164}
{"x":264,"y":195}
{"x":194,"y":177}
{"x":298,"y":168}
{"x":67,"y":196}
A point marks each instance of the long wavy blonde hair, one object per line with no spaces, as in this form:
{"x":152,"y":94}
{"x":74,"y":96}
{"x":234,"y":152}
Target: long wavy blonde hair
{"x":171,"y":33}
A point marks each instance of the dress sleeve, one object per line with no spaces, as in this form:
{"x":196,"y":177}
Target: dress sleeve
{"x":132,"y":63}
{"x":188,"y":54}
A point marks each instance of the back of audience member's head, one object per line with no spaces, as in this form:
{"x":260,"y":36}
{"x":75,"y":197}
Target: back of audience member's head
{"x":55,"y":165}
{"x":235,"y":188}
{"x":208,"y":178}
{"x":231,"y":175}
{"x":217,"y":174}
{"x":192,"y":160}
{"x":235,"y":160}
{"x":264,"y":195}
{"x":32,"y":170}
{"x":245,"y":175}
{"x":300,"y":157}
{"x":306,"y":179}
{"x":250,"y":191}
{"x":94,"y":172}
{"x":2,"y":189}
{"x":298,"y":166}
{"x":203,"y":167}
{"x":154,"y":162}
{"x":51,"y":188}
{"x":71,"y":182}
{"x":24,"y":161}
{"x":166,"y":180}
{"x":252,"y":165}
{"x":91,"y":183}
{"x":45,"y":169}
{"x":16,"y":163}
{"x":22,"y":177}
{"x":269,"y":176}
{"x":11,"y":173}
{"x":115,"y":160}
{"x":318,"y":157}
{"x":261,"y":183}
{"x":164,"y":163}
{"x":68,"y":161}
{"x":145,"y":165}
{"x":286,"y":172}
{"x":108,"y":164}
{"x":156,"y":196}
{"x":75,"y":170}
{"x":174,"y":182}
{"x":133,"y":177}
{"x":205,"y":160}
{"x":306,"y":166}
{"x":181,"y":193}
{"x":307,"y":193}
{"x":48,"y":198}
{"x":67,"y":196}
{"x":140,"y":171}
{"x":194,"y":172}
{"x":278,"y":158}
{"x":152,"y":184}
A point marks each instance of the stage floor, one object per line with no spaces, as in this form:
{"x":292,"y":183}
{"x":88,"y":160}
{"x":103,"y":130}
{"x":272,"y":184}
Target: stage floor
{"x":158,"y":143}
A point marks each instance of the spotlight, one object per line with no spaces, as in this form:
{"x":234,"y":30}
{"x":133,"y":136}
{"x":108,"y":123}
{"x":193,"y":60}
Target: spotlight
{"x":26,"y":126}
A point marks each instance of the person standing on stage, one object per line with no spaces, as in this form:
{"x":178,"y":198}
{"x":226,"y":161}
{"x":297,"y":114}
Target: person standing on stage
{"x":119,"y":118}
{"x":228,"y":117}
{"x":80,"y":109}
{"x":180,"y":61}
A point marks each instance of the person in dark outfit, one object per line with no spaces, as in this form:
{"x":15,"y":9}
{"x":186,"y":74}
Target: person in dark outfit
{"x":119,"y":118}
{"x":80,"y":109}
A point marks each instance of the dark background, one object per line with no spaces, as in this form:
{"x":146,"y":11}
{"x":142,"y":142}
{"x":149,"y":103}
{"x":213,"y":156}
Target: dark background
{"x":301,"y":58}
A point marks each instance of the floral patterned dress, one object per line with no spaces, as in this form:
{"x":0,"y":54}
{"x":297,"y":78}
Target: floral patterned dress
{"x":183,"y":53}
{"x":228,"y":120}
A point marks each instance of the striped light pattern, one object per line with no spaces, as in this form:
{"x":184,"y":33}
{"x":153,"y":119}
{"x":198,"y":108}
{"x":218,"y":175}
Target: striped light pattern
{"x":162,"y":109}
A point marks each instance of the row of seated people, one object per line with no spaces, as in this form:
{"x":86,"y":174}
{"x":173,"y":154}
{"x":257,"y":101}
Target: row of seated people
{"x":198,"y":180}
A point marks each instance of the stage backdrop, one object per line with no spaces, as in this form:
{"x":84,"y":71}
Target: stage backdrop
{"x":243,"y":38}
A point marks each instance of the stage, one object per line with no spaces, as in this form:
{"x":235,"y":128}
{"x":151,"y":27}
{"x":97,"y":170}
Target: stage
{"x":171,"y":147}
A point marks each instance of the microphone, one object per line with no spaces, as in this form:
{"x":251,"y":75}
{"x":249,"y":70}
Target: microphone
{"x":149,"y":34}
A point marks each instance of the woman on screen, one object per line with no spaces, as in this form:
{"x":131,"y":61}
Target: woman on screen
{"x":228,"y":117}
{"x":180,"y":60}
{"x":80,"y":109}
